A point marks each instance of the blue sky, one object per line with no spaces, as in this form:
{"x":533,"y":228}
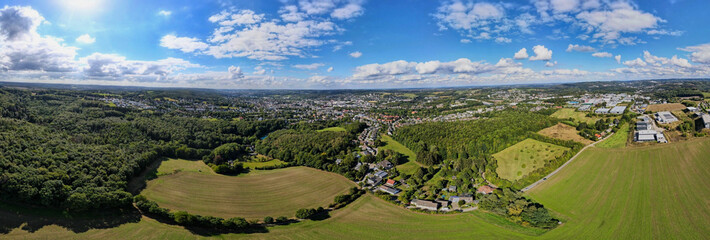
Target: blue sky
{"x":351,"y":43}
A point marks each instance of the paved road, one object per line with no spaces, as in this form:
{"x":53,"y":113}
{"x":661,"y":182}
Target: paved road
{"x":563,"y":165}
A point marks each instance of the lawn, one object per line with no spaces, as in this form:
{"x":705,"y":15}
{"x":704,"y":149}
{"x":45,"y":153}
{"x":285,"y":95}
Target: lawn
{"x":255,"y":195}
{"x":524,"y":157}
{"x":332,"y":129}
{"x":653,"y":192}
{"x":391,"y":144}
{"x":178,"y":165}
{"x":564,"y":132}
{"x":665,"y":107}
{"x":567,"y":113}
{"x":618,"y":140}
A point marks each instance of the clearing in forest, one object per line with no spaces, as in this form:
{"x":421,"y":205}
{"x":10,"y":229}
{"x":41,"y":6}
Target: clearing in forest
{"x":524,"y":157}
{"x":332,"y":129}
{"x":255,"y":195}
{"x":390,"y":144}
{"x":564,"y":132}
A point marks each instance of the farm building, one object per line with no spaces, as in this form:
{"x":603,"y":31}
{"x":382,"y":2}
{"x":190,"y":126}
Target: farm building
{"x":381,"y":174}
{"x":601,"y":111}
{"x":706,"y":120}
{"x":642,"y":126}
{"x":424,"y":204}
{"x":390,"y":190}
{"x":665,"y":117}
{"x":485,"y":189}
{"x":456,"y":199}
{"x":693,"y":109}
{"x":646,"y":135}
{"x":618,"y":110}
{"x":374,"y":181}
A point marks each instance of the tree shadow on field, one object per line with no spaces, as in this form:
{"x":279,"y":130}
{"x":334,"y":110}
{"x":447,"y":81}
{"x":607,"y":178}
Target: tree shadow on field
{"x":32,"y":219}
{"x":206,"y":231}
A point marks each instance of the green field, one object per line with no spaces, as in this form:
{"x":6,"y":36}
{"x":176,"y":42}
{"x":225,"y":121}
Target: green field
{"x":618,"y":140}
{"x":653,"y":192}
{"x":178,"y":165}
{"x":391,"y":144}
{"x":567,"y":113}
{"x":271,"y":163}
{"x":332,"y":129}
{"x":255,"y":195}
{"x":524,"y":157}
{"x":656,"y":192}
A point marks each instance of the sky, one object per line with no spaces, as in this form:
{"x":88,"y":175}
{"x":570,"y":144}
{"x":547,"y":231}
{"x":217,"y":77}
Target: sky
{"x":347,"y":44}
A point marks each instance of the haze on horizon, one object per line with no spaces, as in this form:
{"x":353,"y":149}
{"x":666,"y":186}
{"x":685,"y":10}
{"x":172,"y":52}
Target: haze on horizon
{"x":328,"y":44}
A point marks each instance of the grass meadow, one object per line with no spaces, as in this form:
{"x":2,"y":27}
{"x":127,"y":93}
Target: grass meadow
{"x":391,"y":144}
{"x":524,"y":157}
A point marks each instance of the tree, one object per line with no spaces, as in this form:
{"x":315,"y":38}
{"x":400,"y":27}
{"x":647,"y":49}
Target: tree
{"x":268,"y":220}
{"x":305,"y":213}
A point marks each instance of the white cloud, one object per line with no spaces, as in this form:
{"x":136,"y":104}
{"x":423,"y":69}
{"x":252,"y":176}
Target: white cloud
{"x":465,"y":40}
{"x":184,"y":44}
{"x":635,"y":63}
{"x":550,"y":63}
{"x":503,"y":40}
{"x":290,"y":13}
{"x":602,"y":54}
{"x":312,"y":66}
{"x":317,"y":6}
{"x":116,"y":66}
{"x":85,"y":39}
{"x":621,"y":17}
{"x":618,"y":58}
{"x":699,"y":53}
{"x":664,"y":32}
{"x":235,"y":72}
{"x":356,"y":54}
{"x":330,"y":69}
{"x":522,"y":54}
{"x":348,"y":11}
{"x":242,"y":17}
{"x":165,"y":13}
{"x":580,"y":48}
{"x":541,"y":53}
{"x":23,"y":49}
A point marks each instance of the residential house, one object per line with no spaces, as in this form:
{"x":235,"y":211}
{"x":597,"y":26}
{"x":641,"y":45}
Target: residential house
{"x":374,"y":181}
{"x":391,"y":182}
{"x":381,"y":174}
{"x":385,"y":165}
{"x":706,"y":120}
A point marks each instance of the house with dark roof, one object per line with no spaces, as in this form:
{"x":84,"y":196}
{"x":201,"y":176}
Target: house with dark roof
{"x":385,"y":165}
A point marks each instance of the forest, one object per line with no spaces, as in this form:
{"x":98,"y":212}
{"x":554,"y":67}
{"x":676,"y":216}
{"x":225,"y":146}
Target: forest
{"x":61,"y":149}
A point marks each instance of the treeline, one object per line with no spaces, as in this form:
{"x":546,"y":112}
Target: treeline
{"x":59,"y":149}
{"x":516,"y":208}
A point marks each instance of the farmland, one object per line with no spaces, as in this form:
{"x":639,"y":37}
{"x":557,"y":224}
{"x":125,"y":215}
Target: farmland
{"x":665,"y":107}
{"x":564,"y":132}
{"x":651,"y":192}
{"x":524,"y":157}
{"x":253,"y":196}
{"x":618,"y":140}
{"x":567,"y":113}
{"x":391,"y":144}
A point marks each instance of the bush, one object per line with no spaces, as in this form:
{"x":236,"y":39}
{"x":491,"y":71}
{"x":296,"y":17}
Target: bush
{"x":268,"y":220}
{"x":305,"y":213}
{"x":282,"y":219}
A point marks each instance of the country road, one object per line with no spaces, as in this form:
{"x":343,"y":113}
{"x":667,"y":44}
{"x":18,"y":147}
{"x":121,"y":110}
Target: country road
{"x":563,"y":165}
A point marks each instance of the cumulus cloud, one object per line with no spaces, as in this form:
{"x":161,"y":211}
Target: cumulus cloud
{"x":356,"y":54}
{"x":183,"y":44}
{"x":116,"y":66}
{"x":23,"y":49}
{"x":465,"y":40}
{"x":522,"y":54}
{"x":602,"y":54}
{"x":541,"y":53}
{"x":330,"y":69}
{"x":312,"y":66}
{"x":550,"y":63}
{"x":580,"y":48}
{"x":348,"y":11}
{"x":618,"y":58}
{"x":85,"y":39}
{"x":699,"y":53}
{"x":503,"y":40}
{"x":290,"y":13}
{"x":235,"y":72}
{"x":241,"y":17}
{"x":479,"y":19}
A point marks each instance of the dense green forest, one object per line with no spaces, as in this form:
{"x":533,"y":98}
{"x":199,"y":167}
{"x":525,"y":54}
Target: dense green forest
{"x":60,"y":148}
